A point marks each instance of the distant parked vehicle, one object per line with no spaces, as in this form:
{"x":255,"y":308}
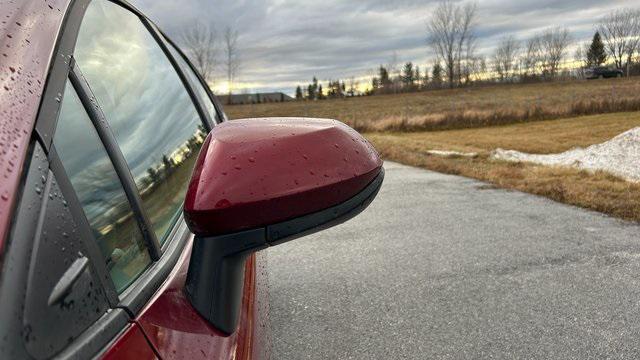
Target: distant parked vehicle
{"x":602,"y":72}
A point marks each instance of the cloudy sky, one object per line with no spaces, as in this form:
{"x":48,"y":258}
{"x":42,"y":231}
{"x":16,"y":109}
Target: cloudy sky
{"x":286,"y":42}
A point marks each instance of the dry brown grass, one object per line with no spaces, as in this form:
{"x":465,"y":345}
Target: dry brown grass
{"x":464,"y":108}
{"x":543,"y":137}
{"x":597,"y":191}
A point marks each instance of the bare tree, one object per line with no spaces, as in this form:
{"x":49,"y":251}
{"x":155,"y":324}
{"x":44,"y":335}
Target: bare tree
{"x":394,"y":74}
{"x":473,"y":69}
{"x":553,"y":46}
{"x":451,"y":34}
{"x":531,"y":57}
{"x":200,"y":42}
{"x":468,"y":62}
{"x":582,"y":58}
{"x":620,"y":32}
{"x":353,"y":86}
{"x":232,"y":56}
{"x":505,"y":58}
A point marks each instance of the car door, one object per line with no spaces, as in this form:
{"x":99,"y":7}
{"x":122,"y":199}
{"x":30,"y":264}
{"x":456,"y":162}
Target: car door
{"x":119,"y":128}
{"x":159,"y":113}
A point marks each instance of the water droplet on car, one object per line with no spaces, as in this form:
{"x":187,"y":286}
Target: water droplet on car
{"x":224,"y":203}
{"x":252,"y":160}
{"x":38,"y":190}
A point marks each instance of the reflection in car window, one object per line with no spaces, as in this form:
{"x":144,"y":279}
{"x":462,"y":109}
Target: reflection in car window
{"x":100,"y":192}
{"x":146,"y":104}
{"x":201,"y":92}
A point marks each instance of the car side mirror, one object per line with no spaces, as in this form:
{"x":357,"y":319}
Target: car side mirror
{"x":261,"y":182}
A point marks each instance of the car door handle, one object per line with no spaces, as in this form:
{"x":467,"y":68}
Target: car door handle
{"x":68,"y":279}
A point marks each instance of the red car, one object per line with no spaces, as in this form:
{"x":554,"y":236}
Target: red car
{"x":131,"y":210}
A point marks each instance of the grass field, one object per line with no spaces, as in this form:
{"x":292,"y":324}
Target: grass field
{"x":542,"y":137}
{"x":535,"y":118}
{"x":597,"y":191}
{"x":463,"y":108}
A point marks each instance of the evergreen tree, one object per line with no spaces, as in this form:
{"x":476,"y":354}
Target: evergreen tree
{"x":375,"y":83}
{"x":320,"y":92}
{"x":417,"y":76}
{"x":436,"y":75}
{"x":407,"y":75}
{"x":311,"y":93}
{"x":314,"y":84}
{"x":299,"y":95}
{"x":596,"y":54}
{"x":425,"y":80}
{"x":385,"y":81}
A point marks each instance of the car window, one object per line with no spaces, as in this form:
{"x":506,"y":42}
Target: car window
{"x":201,"y":92}
{"x":100,"y":192}
{"x":146,"y":104}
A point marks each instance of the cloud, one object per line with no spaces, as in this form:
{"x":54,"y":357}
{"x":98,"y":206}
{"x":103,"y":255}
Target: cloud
{"x":286,"y":42}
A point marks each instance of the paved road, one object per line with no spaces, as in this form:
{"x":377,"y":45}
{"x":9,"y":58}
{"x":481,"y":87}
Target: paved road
{"x":443,"y":267}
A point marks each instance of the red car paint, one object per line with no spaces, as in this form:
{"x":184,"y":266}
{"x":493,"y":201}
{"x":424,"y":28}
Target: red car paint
{"x":169,"y":326}
{"x":177,"y":331}
{"x":28,"y":31}
{"x":131,"y":345}
{"x":224,"y":195}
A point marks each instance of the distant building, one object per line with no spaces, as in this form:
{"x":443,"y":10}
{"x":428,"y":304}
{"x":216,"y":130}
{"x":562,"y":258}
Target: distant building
{"x":241,"y":99}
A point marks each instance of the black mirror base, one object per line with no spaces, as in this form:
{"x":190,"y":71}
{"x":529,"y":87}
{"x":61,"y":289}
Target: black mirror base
{"x":216,"y":269}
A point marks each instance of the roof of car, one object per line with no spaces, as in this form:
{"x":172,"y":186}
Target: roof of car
{"x":28,"y":31}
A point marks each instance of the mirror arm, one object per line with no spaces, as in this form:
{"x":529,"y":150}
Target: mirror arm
{"x":216,"y":275}
{"x":216,"y":270}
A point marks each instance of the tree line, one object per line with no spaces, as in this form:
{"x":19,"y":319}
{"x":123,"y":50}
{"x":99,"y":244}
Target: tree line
{"x":335,"y":89}
{"x":545,"y":56}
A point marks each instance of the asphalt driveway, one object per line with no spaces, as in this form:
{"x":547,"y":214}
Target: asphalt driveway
{"x":444,"y":267}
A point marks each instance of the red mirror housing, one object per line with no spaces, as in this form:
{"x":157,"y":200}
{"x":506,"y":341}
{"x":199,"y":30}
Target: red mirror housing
{"x":261,"y":182}
{"x":257,"y":172}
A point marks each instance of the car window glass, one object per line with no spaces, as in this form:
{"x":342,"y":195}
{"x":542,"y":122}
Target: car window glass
{"x":146,"y":104}
{"x":201,"y":92}
{"x":100,"y":192}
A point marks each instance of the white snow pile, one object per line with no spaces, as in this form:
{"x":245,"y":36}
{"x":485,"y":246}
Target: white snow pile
{"x":619,"y":156}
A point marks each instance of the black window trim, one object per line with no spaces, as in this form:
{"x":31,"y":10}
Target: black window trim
{"x":94,"y":254}
{"x":117,"y":158}
{"x":97,"y":338}
{"x":63,"y":68}
{"x":133,"y":299}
